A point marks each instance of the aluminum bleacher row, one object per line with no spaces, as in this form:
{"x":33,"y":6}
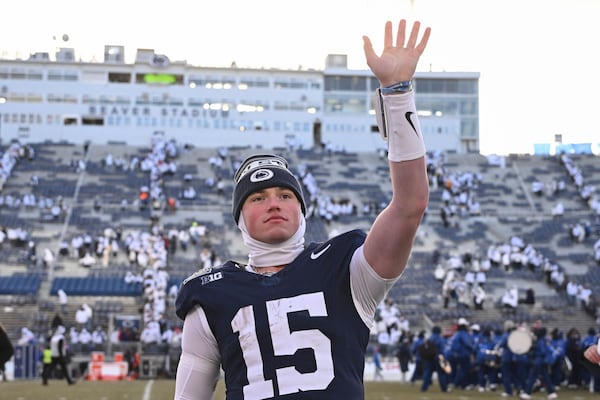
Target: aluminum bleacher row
{"x":20,"y":284}
{"x":366,"y":177}
{"x":95,"y":286}
{"x":101,"y":285}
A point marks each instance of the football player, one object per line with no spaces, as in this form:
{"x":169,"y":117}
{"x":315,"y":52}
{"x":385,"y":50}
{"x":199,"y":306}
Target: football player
{"x":294,"y":321}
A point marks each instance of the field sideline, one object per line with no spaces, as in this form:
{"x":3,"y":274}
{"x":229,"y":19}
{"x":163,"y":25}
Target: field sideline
{"x":162,"y":389}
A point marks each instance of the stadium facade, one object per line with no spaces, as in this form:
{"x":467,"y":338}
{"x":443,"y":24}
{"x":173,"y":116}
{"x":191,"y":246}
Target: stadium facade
{"x":61,"y":98}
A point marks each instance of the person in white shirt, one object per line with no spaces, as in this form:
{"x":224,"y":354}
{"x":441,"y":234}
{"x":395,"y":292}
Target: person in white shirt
{"x":98,"y":337}
{"x":85,"y":338}
{"x":62,"y":300}
{"x":510,"y":298}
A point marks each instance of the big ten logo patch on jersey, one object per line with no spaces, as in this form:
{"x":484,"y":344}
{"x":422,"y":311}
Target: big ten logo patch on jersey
{"x":205,"y":276}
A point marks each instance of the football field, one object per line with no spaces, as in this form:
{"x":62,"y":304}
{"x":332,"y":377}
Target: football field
{"x":162,"y":389}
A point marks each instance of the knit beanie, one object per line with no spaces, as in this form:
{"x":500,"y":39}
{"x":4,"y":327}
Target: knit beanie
{"x":262,"y":171}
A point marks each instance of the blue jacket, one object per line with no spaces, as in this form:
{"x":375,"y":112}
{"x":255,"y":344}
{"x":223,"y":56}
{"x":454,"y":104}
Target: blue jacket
{"x":462,"y":344}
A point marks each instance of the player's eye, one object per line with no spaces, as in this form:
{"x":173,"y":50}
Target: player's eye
{"x":287,"y":194}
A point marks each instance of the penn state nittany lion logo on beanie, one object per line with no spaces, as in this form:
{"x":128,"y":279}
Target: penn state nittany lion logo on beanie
{"x":259,"y":172}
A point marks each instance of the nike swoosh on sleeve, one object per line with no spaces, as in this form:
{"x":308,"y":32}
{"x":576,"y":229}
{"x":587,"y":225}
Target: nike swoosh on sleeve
{"x":314,"y":256}
{"x":408,"y":116}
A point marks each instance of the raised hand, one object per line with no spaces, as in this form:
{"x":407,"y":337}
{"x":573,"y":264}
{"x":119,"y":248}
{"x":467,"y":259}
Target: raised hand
{"x":397,"y":62}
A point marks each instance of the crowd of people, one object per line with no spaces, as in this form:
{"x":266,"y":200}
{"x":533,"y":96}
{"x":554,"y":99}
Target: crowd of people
{"x":512,"y":359}
{"x":463,"y":278}
{"x":270,"y":210}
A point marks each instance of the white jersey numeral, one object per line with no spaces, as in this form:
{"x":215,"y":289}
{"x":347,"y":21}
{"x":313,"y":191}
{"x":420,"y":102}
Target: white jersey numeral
{"x":285,"y":342}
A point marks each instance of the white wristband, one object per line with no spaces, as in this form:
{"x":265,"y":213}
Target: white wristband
{"x":399,"y":126}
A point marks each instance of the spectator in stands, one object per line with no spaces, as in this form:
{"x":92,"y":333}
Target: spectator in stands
{"x":56,"y":321}
{"x":27,"y":337}
{"x":75,"y":344}
{"x":197,"y":232}
{"x":128,"y":334}
{"x":85,"y":338}
{"x":510,"y":299}
{"x":63,"y":248}
{"x":88,"y":260}
{"x":48,"y":258}
{"x":462,"y":293}
{"x":529,"y":297}
{"x":403,"y":325}
{"x":151,"y":337}
{"x":209,"y":257}
{"x":447,"y":215}
{"x":558,"y":210}
{"x":63,"y":300}
{"x":478,"y":295}
{"x":269,"y":209}
{"x":131,"y":278}
{"x":584,"y":296}
{"x":99,"y":338}
{"x":183,"y":239}
{"x":577,"y":233}
{"x":172,"y":295}
{"x":114,"y":336}
{"x":572,"y":291}
{"x":537,"y":188}
{"x":83,"y":316}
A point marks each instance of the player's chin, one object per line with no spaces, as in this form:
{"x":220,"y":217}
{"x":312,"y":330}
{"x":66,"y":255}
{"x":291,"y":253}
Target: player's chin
{"x":277,"y":235}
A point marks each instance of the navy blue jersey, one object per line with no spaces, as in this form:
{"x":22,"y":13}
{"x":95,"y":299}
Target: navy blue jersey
{"x":292,"y":335}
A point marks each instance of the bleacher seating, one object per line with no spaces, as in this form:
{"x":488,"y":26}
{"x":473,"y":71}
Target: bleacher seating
{"x":506,"y":207}
{"x":95,"y":286}
{"x":20,"y":284}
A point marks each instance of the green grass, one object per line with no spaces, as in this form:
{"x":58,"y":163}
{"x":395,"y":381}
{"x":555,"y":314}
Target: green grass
{"x":162,"y":389}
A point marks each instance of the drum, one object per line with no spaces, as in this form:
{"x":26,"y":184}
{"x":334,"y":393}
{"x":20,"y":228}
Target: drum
{"x":520,"y":341}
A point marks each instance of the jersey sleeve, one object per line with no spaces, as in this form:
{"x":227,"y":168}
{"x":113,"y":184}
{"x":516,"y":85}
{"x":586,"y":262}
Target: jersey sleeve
{"x":368,"y":289}
{"x":199,"y":364}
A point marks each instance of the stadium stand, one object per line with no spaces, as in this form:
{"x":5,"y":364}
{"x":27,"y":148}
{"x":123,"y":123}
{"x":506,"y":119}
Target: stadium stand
{"x":98,"y":203}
